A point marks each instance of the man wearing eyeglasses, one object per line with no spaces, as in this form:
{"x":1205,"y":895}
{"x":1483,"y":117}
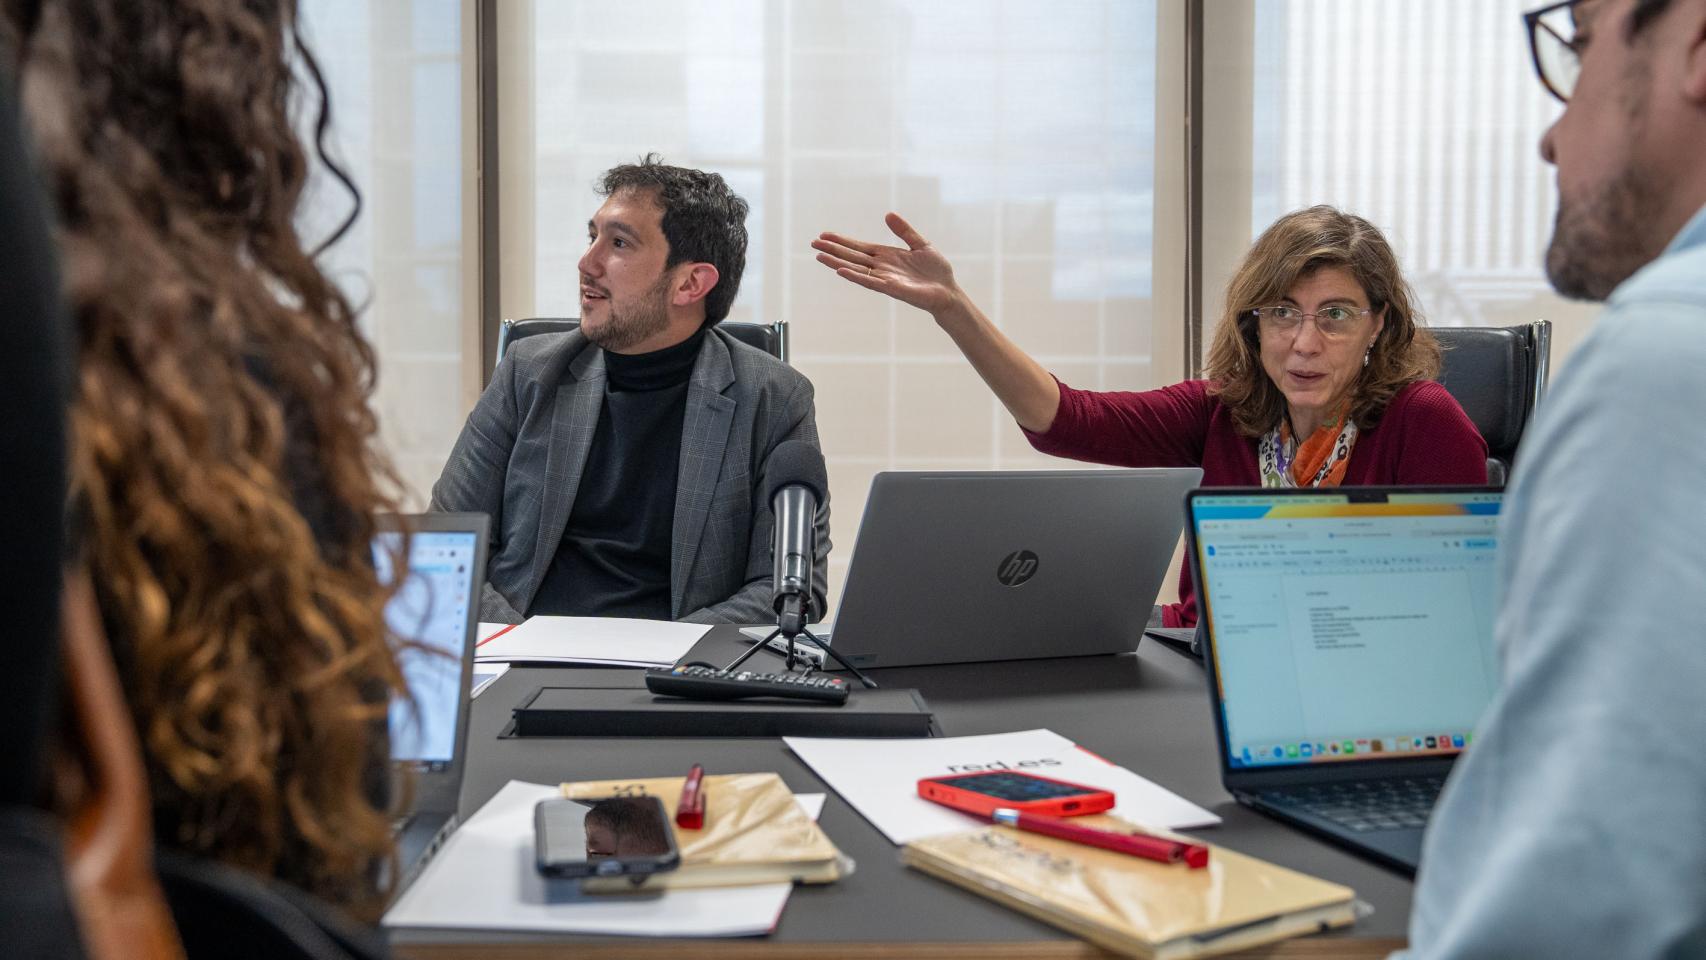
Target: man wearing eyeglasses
{"x":1576,"y":826}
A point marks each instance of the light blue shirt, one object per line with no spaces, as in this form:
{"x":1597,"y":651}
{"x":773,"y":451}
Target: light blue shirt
{"x":1575,"y":826}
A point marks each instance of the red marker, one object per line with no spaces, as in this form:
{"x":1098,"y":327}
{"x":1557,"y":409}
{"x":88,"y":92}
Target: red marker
{"x":1192,"y":855}
{"x":690,"y":812}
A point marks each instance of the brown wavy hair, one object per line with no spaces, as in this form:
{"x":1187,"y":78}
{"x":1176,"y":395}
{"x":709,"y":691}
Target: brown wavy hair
{"x":223,"y":458}
{"x":1296,"y":245}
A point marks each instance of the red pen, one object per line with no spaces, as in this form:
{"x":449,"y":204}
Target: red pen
{"x":1192,"y":855}
{"x":690,"y":812}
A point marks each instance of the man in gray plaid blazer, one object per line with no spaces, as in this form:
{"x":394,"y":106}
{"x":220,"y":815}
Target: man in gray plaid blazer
{"x":623,"y":463}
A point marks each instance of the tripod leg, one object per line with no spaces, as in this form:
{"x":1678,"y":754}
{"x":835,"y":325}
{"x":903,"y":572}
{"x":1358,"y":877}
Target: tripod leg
{"x":799,"y":660}
{"x":760,"y":645}
{"x":826,"y":648}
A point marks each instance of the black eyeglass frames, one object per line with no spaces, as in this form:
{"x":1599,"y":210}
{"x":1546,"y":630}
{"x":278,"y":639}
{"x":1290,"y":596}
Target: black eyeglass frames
{"x":1552,"y":43}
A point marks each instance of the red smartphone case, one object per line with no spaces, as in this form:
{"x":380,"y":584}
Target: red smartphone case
{"x":1084,"y":800}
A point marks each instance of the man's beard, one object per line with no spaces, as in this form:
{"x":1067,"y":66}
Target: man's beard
{"x":1600,"y":243}
{"x":635,"y":321}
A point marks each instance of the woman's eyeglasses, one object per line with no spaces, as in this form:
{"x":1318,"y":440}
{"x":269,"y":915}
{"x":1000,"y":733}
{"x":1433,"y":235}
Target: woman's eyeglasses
{"x":1334,"y":323}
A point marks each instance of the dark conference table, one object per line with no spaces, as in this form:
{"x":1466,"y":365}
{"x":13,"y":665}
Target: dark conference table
{"x":1146,"y":711}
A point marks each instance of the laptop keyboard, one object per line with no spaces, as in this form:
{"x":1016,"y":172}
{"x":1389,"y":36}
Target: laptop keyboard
{"x":1364,"y":805}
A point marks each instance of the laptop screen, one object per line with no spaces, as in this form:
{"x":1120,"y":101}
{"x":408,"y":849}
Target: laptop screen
{"x":1348,"y":626}
{"x":431,"y":609}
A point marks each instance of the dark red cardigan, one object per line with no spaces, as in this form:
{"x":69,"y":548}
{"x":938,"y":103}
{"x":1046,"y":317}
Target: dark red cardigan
{"x":1423,"y":438}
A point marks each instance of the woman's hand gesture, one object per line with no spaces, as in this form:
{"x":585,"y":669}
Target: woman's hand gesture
{"x":917,"y":274}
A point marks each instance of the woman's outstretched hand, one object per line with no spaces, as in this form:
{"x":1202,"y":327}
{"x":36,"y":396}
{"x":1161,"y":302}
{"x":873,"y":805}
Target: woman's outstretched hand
{"x":919,"y":275}
{"x":916,"y":274}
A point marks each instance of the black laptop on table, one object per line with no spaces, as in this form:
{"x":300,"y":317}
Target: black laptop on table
{"x":433,"y":613}
{"x":1349,"y":638}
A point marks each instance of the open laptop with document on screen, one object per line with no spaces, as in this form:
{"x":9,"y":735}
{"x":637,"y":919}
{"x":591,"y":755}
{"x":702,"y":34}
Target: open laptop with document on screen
{"x":1350,"y":650}
{"x":965,"y":566}
{"x":434,"y":613}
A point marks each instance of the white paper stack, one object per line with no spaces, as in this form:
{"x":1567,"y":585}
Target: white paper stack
{"x":598,"y":641}
{"x":484,"y":879}
{"x":879,"y":778}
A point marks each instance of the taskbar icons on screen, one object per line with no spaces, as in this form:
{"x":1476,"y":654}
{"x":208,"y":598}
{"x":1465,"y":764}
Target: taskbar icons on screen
{"x":1356,"y":748}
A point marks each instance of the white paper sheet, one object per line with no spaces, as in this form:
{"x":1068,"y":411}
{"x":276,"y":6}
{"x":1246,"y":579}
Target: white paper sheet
{"x":484,"y":631}
{"x":484,"y":674}
{"x":880,"y":778}
{"x":484,"y":879}
{"x":600,"y":641}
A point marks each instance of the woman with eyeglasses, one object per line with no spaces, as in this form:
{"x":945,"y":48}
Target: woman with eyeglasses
{"x":1318,"y":374}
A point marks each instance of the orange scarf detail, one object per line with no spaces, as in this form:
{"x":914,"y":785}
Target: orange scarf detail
{"x":1314,"y":451}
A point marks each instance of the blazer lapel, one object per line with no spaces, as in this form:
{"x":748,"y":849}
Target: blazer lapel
{"x":574,"y":420}
{"x":704,"y":435}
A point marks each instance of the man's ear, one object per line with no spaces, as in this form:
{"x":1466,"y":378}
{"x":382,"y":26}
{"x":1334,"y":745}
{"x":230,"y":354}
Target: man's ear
{"x":694,"y":283}
{"x":1694,"y":67}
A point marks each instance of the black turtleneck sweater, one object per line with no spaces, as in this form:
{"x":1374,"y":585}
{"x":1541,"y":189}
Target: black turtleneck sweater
{"x":614,"y":557}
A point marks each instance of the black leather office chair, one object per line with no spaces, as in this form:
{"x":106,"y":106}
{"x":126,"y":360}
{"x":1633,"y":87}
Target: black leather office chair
{"x":772,"y":338}
{"x":1498,"y":375}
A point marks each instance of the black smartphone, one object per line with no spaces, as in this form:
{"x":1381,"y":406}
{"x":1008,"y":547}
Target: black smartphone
{"x":612,"y":837}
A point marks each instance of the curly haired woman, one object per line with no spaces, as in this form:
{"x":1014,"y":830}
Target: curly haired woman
{"x":222,"y":452}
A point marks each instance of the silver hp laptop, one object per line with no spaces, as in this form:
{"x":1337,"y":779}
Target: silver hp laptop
{"x":1350,"y":650}
{"x":434,"y":614}
{"x":961,"y":567}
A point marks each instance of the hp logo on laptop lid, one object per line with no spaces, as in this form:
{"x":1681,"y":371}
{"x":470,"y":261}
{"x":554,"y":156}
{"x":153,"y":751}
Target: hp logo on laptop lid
{"x":1016,"y":568}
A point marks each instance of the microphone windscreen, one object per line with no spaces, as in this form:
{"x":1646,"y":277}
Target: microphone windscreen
{"x":796,"y":461}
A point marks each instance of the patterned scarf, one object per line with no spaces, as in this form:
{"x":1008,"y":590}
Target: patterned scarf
{"x":1319,"y":461}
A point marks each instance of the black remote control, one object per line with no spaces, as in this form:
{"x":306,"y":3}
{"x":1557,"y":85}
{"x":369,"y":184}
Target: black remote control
{"x":709,"y":683}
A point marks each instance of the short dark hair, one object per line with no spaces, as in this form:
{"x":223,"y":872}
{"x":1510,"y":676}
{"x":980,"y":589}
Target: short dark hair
{"x":703,"y":221}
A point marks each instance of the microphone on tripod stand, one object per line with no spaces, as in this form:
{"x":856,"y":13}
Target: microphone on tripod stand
{"x":796,"y":483}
